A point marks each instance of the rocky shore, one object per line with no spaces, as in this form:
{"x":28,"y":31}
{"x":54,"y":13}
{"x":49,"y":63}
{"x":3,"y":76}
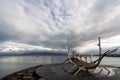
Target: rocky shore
{"x":26,"y":74}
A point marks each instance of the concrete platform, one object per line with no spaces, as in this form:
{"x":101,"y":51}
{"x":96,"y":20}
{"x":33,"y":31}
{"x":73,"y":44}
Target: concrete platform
{"x":55,"y":72}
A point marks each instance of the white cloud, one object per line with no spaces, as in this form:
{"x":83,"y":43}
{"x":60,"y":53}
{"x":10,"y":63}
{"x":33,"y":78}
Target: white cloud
{"x":18,"y":47}
{"x":46,"y":23}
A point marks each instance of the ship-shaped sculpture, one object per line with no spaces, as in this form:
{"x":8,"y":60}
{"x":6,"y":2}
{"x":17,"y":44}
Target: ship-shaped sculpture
{"x":80,"y":65}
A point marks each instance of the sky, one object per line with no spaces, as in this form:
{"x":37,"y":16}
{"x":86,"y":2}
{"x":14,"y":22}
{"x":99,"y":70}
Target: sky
{"x":46,"y":24}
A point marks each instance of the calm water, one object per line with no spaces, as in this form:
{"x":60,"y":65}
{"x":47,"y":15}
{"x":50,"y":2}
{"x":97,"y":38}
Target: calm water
{"x":12,"y":64}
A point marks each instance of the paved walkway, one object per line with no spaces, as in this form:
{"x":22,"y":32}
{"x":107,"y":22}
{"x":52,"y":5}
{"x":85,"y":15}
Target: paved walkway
{"x":55,"y":72}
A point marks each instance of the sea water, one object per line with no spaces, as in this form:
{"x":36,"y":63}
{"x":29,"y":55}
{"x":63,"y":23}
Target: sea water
{"x":10,"y":64}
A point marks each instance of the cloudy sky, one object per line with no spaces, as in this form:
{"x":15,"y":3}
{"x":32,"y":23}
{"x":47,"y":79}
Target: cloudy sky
{"x":45,"y":24}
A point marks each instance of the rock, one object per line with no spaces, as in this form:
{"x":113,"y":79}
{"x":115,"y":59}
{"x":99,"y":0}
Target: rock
{"x":28,"y":78}
{"x":20,"y":74}
{"x":28,"y":74}
{"x":42,"y":79}
{"x":30,"y":71}
{"x":12,"y":78}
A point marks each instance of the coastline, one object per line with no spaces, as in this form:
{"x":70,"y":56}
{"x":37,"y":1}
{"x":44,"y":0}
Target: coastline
{"x":25,"y":74}
{"x":30,"y":73}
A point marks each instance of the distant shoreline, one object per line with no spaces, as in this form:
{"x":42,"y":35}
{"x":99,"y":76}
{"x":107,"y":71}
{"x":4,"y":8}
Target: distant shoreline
{"x":47,"y":55}
{"x":36,"y":55}
{"x":33,"y":55}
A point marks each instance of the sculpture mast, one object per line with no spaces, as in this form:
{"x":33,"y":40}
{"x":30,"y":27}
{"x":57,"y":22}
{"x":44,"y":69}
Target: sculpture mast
{"x":68,"y":45}
{"x":99,"y":45}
